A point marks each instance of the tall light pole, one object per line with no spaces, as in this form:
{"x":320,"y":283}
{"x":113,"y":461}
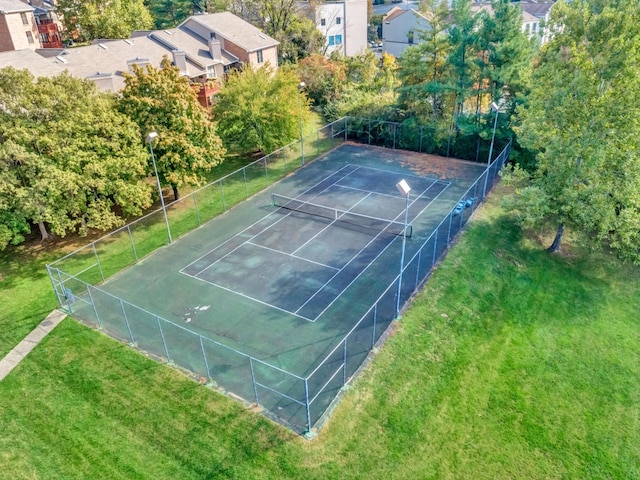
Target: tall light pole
{"x":404,"y":189}
{"x":496,"y":108}
{"x":301,"y":85}
{"x":150,"y":138}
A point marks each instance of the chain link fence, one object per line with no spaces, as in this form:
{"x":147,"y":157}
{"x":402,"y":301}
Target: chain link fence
{"x":300,"y":402}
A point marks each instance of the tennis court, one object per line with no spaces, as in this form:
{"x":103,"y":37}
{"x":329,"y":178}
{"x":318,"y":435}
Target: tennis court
{"x":279,"y":301}
{"x":303,"y":255}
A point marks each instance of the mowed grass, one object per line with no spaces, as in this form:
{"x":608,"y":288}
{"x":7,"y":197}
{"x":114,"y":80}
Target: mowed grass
{"x":512,"y":363}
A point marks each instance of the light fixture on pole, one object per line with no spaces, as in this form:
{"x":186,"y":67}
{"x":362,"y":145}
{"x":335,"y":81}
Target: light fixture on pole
{"x":301,"y":85}
{"x":496,"y":108}
{"x":150,"y":138}
{"x":404,"y":189}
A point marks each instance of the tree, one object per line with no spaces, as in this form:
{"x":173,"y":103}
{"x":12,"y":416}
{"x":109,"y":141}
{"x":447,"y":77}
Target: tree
{"x":259,"y":110}
{"x":506,"y":55}
{"x":325,"y":78}
{"x":67,"y":156}
{"x":169,"y":13}
{"x":582,"y":118}
{"x":92,"y":19}
{"x":287,"y":22}
{"x":163,"y":101}
{"x":464,"y":40}
{"x":424,"y":67}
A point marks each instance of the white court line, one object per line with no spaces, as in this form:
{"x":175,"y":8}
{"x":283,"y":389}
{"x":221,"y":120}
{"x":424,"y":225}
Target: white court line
{"x":329,"y":225}
{"x":251,"y":298}
{"x":289,"y":254}
{"x":256,"y":222}
{"x":335,"y":183}
{"x":370,"y":263}
{"x":393,"y":172}
{"x":360,"y":251}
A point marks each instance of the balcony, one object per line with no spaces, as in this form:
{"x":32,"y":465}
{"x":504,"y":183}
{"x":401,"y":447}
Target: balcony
{"x":206,"y":91}
{"x":49,"y":34}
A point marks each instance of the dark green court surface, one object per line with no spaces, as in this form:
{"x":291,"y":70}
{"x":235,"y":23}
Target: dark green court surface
{"x":279,"y":300}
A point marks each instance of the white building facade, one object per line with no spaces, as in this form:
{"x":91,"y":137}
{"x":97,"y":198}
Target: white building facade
{"x":344,"y":25}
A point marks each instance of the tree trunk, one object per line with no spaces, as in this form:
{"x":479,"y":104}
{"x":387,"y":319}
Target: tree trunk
{"x":555,"y":246}
{"x":175,"y":191}
{"x":43,"y":232}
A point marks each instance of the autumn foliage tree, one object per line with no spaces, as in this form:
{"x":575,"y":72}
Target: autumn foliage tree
{"x":162,"y":100}
{"x":258,"y":110}
{"x":69,"y":161}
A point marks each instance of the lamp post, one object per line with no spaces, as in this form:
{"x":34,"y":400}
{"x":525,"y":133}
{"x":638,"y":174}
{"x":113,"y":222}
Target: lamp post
{"x":404,"y":189}
{"x":301,"y":85}
{"x":150,"y":138}
{"x":496,"y":108}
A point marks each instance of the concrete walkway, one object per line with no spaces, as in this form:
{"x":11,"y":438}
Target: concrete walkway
{"x":15,"y":356}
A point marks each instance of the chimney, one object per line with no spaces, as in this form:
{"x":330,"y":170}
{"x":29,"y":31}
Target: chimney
{"x":180,"y":61}
{"x":215,"y":49}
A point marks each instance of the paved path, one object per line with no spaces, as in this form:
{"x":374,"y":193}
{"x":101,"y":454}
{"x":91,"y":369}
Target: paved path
{"x":15,"y":356}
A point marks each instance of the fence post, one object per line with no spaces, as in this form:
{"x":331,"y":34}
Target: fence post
{"x":373,"y":333}
{"x":344,"y":363}
{"x":246,"y":187}
{"x":95,"y":310}
{"x":306,"y":402}
{"x":133,"y":244}
{"x":126,"y":322}
{"x":435,"y":242}
{"x":253,"y":381}
{"x":204,"y":355}
{"x":95,"y":253}
{"x":195,"y":206}
{"x":395,"y":130}
{"x":224,"y":207}
{"x":164,"y":342}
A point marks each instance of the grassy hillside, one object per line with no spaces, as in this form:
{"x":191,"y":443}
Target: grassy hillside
{"x":512,"y":363}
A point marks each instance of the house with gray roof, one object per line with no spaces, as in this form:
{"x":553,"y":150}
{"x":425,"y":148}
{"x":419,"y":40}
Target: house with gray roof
{"x":203,"y":47}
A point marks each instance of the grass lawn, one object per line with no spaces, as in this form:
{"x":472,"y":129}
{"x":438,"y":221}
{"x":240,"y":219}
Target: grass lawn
{"x":512,"y":363}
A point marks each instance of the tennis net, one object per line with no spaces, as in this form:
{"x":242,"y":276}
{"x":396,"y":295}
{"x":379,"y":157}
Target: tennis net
{"x":340,"y":216}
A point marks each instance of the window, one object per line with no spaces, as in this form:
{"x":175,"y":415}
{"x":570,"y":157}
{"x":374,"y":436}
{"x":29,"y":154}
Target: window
{"x":338,"y":39}
{"x":25,"y":20}
{"x":260,"y":58}
{"x":211,"y":71}
{"x":338,"y":20}
{"x":29,"y":38}
{"x":212,"y":35}
{"x":410,"y":36}
{"x":534,"y":27}
{"x":323,"y":22}
{"x":332,"y":40}
{"x":526,"y":28}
